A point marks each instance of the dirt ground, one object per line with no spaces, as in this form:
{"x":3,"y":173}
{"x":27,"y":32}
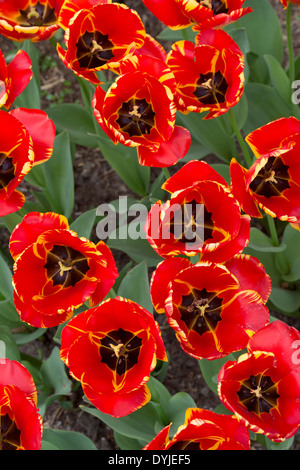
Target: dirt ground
{"x":92,"y":171}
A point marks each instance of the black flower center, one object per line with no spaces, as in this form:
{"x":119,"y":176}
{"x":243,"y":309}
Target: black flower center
{"x":192,"y":223}
{"x":201,"y":310}
{"x":211,"y":88}
{"x":65,"y":266}
{"x":217,"y":6}
{"x":258,"y":394}
{"x":94,"y":49}
{"x":38,"y":15}
{"x":272,"y":179}
{"x":120,"y":350}
{"x":7,"y":170}
{"x":136,"y":117}
{"x":10,"y":435}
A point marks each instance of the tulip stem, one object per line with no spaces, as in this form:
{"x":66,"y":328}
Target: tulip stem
{"x":290,"y":43}
{"x":273,"y":231}
{"x":166,"y":173}
{"x":240,"y":139}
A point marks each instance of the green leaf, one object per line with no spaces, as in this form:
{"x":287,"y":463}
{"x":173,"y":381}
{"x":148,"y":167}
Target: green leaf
{"x":176,"y":409}
{"x":84,"y":224}
{"x":135,"y":286}
{"x":30,"y":97}
{"x":138,"y":425}
{"x":77,"y":121}
{"x":174,"y":35}
{"x":11,"y":348}
{"x":59,"y":177}
{"x":210,"y":133}
{"x":54,"y":374}
{"x":127,"y":443}
{"x":211,"y":369}
{"x":264,"y":105}
{"x":279,"y":78}
{"x":264,"y":38}
{"x":291,"y":241}
{"x":6,"y":287}
{"x":138,"y":250}
{"x":259,"y":241}
{"x":8,"y":314}
{"x":56,"y":439}
{"x":287,"y":301}
{"x":284,"y":445}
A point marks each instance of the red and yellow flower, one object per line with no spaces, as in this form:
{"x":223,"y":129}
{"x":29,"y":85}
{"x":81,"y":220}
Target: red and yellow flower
{"x":29,"y":19}
{"x":21,"y":426}
{"x":203,"y":14}
{"x":55,"y":270}
{"x":139,"y":111}
{"x":27,"y":137}
{"x":202,"y":216}
{"x":209,"y":74}
{"x":14,"y":77}
{"x":203,"y":430}
{"x":98,"y":37}
{"x":112,"y":349}
{"x":272,"y":182}
{"x":213,"y":308}
{"x":262,"y":387}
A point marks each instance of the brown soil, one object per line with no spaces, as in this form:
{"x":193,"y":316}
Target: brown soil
{"x":96,"y":183}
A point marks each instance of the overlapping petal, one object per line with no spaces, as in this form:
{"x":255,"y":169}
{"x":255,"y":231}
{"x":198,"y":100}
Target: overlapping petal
{"x":55,"y":271}
{"x":213,"y":308}
{"x":262,"y":387}
{"x":14,"y":77}
{"x":21,"y":425}
{"x":203,"y":430}
{"x":111,"y":350}
{"x":27,"y":138}
{"x":177,"y":14}
{"x":36,"y":20}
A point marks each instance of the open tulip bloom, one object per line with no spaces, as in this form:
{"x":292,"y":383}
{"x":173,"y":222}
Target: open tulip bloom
{"x":272,"y":182}
{"x":202,"y":216}
{"x":209,"y":74}
{"x":98,"y":36}
{"x":262,"y":387}
{"x":112,"y":349}
{"x":203,"y":430}
{"x":139,"y":111}
{"x":36,"y":20}
{"x":21,"y":425}
{"x":213,"y":308}
{"x":203,"y":14}
{"x":55,"y":270}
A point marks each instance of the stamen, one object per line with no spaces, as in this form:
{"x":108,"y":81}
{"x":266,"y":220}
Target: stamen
{"x":63,"y":268}
{"x":271,"y":178}
{"x":135,"y":112}
{"x":33,"y":14}
{"x":96,"y":46}
{"x":116,"y":348}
